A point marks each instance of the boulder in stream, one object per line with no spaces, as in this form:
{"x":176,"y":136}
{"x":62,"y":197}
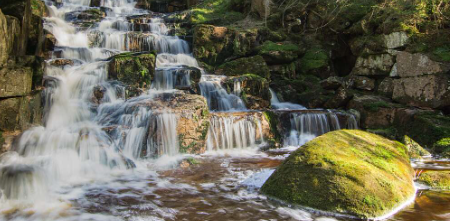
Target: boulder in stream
{"x":439,"y":180}
{"x":348,"y":172}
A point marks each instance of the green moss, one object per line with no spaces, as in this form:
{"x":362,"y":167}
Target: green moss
{"x":442,"y":147}
{"x":375,"y":106}
{"x":205,"y":128}
{"x":269,"y":46}
{"x":272,"y":118}
{"x":314,"y":58}
{"x":133,"y":69}
{"x":38,"y":8}
{"x":185,"y":148}
{"x":192,"y":161}
{"x":436,"y":179}
{"x":255,"y":65}
{"x":443,"y":53}
{"x":346,"y":171}
{"x":214,"y":12}
{"x":430,"y":129}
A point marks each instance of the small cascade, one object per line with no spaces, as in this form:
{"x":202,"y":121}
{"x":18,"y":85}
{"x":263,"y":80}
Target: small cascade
{"x":307,"y":126}
{"x":163,"y":139}
{"x":229,"y":131}
{"x":171,"y":78}
{"x":352,"y":123}
{"x":276,"y":104}
{"x":218,"y":98}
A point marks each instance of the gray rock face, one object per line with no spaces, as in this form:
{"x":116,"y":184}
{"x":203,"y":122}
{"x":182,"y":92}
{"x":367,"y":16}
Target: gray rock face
{"x":412,"y":65}
{"x":364,"y":83}
{"x":373,"y":65}
{"x":3,"y":40}
{"x":424,"y":91}
{"x":396,"y":40}
{"x":386,"y":87}
{"x":15,"y":81}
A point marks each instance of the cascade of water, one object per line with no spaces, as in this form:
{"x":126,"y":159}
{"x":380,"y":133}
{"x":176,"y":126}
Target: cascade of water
{"x":229,"y":131}
{"x":85,"y":139}
{"x":163,"y":139}
{"x":276,"y":104}
{"x":218,"y":98}
{"x":352,"y":123}
{"x":307,"y":126}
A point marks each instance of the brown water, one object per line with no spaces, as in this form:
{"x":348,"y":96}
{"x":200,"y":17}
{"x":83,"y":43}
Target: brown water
{"x":219,"y":187}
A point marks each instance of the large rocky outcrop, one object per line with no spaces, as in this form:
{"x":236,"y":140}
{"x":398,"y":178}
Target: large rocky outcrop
{"x":373,"y":65}
{"x":423,"y":91}
{"x":21,"y":37}
{"x":414,"y":65}
{"x":347,"y":171}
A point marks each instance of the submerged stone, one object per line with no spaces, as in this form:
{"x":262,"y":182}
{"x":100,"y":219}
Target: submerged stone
{"x":347,"y":171}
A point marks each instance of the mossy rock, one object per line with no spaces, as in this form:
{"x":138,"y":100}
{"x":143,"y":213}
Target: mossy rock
{"x":415,"y":150}
{"x":436,"y":179}
{"x":255,"y":65}
{"x":217,"y":12}
{"x":430,"y":129}
{"x":347,"y":171}
{"x":214,"y":45}
{"x":278,"y":53}
{"x":133,"y":69}
{"x":442,"y":147}
{"x":253,"y":90}
{"x":316,"y":62}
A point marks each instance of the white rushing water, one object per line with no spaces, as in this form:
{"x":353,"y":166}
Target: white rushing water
{"x":276,"y":104}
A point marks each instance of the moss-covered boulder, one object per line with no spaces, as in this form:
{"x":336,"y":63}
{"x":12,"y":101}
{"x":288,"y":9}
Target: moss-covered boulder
{"x":436,"y":179}
{"x":133,"y":69}
{"x":254,"y":65}
{"x":347,"y":171}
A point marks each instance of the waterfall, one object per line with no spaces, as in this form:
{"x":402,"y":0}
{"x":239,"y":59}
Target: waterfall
{"x":276,"y":104}
{"x":234,"y":131}
{"x":163,"y":139}
{"x":352,"y":123}
{"x":90,"y":130}
{"x":218,"y":98}
{"x":307,"y":126}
